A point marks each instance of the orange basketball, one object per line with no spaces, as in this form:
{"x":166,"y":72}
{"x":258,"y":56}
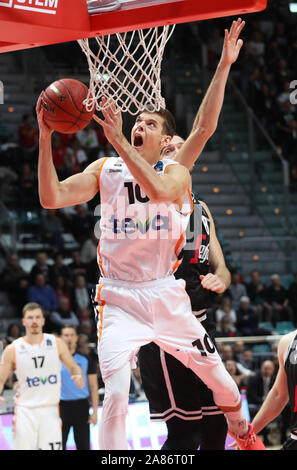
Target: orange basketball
{"x":64,"y":110}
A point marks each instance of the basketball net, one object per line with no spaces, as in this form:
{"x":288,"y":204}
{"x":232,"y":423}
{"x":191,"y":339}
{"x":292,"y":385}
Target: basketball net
{"x":125,"y":68}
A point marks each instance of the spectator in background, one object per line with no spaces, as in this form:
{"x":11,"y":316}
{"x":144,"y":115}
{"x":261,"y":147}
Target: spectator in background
{"x":239,"y":378}
{"x":14,"y":280}
{"x":59,"y":152}
{"x":74,"y":404}
{"x":85,"y":317}
{"x":45,"y":296}
{"x":224,"y":328}
{"x":28,"y":136}
{"x":257,"y":47}
{"x":77,"y":267}
{"x":62,"y":289}
{"x":227,"y":354}
{"x":236,"y":289}
{"x":52,"y":229}
{"x":81,"y":223}
{"x":107,"y":151}
{"x":255,"y":289}
{"x":83,"y":344}
{"x":14,"y":331}
{"x":67,"y":214}
{"x":28,"y":189}
{"x":81,"y":294}
{"x":238,"y":350}
{"x":214,"y":46}
{"x":59,"y":269}
{"x":247,"y":359}
{"x":89,"y":249}
{"x":258,"y":387}
{"x":276,"y":302}
{"x":63,"y":315}
{"x":247,"y":319}
{"x":75,"y":158}
{"x":292,"y":294}
{"x":89,"y":141}
{"x":41,"y":267}
{"x":225,"y":309}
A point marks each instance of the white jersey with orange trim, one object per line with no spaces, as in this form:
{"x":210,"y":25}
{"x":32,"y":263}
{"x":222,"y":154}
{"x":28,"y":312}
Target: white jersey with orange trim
{"x":140,"y":240}
{"x":38,"y":371}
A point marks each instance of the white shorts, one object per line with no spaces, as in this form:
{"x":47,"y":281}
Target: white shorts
{"x":37,"y":428}
{"x":130,"y":315}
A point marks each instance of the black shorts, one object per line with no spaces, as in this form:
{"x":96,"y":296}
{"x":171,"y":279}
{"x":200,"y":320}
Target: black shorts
{"x":171,"y":388}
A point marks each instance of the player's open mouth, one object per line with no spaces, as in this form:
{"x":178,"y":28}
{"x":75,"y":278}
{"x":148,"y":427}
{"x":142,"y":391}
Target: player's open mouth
{"x":138,"y":141}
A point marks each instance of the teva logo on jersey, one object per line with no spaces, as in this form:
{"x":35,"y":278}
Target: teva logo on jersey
{"x":38,"y":6}
{"x":129,"y":226}
{"x":36,"y":381}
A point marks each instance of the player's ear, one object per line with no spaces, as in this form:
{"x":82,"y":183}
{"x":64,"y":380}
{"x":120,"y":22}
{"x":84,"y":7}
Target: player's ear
{"x":165,"y":140}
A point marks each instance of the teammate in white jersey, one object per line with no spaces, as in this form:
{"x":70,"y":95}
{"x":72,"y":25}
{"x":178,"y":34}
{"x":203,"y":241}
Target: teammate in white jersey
{"x":35,"y":359}
{"x":138,"y":298}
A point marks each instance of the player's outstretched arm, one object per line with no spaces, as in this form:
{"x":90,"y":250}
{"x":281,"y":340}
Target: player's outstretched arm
{"x":6,"y":366}
{"x":169,"y":187}
{"x":206,"y":120}
{"x":70,"y":364}
{"x":278,"y":396}
{"x":220,"y":278}
{"x":74,"y":190}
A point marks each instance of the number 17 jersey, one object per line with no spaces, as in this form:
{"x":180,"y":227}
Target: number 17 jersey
{"x":38,"y":371}
{"x":140,"y":240}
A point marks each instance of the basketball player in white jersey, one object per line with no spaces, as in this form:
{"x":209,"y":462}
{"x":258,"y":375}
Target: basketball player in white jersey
{"x":35,"y":359}
{"x":145,"y":208}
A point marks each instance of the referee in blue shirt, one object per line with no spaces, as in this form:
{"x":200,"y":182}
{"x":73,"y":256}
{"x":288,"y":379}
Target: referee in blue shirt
{"x":74,"y":403}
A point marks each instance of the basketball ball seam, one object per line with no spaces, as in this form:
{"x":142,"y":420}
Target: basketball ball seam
{"x":72,"y":99}
{"x":64,"y":110}
{"x":68,"y":128}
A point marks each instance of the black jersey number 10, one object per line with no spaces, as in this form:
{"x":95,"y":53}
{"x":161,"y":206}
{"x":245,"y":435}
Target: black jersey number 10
{"x":208,"y":345}
{"x":135,"y":193}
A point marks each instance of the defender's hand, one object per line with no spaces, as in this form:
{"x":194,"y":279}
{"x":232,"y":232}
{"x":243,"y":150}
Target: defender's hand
{"x":213,"y":283}
{"x":232,"y":44}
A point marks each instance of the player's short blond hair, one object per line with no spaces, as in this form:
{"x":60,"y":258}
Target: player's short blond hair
{"x":31,"y":306}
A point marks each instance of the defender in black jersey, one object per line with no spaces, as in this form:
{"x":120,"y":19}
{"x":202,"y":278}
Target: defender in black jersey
{"x":283,"y":390}
{"x":175,"y":394}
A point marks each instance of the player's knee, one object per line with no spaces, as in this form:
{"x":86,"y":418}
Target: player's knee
{"x":117,"y":402}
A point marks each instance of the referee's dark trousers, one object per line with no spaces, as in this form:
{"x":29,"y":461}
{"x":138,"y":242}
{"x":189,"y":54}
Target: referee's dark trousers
{"x":75,"y":413}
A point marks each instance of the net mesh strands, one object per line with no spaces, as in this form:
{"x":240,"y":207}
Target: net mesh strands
{"x":125,"y":68}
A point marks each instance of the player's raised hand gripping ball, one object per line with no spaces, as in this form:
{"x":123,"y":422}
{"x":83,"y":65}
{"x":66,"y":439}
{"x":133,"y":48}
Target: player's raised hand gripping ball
{"x":64,"y":110}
